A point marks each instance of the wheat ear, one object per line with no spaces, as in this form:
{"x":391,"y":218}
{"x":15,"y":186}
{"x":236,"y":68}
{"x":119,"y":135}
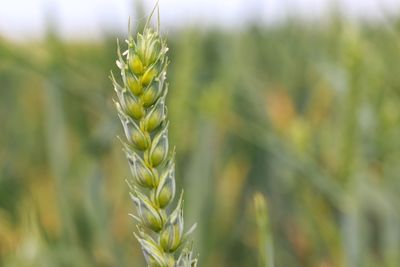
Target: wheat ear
{"x":141,"y":107}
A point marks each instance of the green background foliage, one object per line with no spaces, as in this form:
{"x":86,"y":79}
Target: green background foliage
{"x":306,"y":114}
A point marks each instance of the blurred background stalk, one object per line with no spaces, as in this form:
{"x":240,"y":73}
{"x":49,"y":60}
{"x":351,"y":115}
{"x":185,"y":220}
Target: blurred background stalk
{"x":266,"y":251}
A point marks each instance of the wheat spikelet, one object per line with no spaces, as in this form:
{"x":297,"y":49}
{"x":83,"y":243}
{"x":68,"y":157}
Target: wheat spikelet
{"x":142,"y":110}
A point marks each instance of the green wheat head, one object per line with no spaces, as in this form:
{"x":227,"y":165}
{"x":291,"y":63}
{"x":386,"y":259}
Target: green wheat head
{"x":142,"y":110}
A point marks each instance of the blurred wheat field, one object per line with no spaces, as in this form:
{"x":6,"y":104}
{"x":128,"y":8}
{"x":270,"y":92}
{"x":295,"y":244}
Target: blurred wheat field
{"x":307,"y":115}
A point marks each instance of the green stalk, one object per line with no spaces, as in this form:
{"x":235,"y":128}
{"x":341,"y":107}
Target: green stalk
{"x":141,"y":107}
{"x":265,"y":243}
